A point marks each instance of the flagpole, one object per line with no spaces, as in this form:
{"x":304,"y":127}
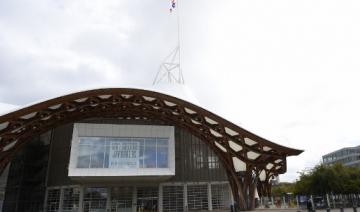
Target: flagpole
{"x":181,"y":79}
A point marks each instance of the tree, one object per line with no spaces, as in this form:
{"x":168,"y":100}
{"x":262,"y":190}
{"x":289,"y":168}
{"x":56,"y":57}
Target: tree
{"x":329,"y":179}
{"x":282,"y":188}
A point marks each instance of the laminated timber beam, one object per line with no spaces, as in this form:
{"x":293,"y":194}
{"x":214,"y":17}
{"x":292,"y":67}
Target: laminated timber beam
{"x":245,"y":156}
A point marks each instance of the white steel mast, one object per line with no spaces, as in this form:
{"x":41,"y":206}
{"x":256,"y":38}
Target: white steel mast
{"x":170,"y":69}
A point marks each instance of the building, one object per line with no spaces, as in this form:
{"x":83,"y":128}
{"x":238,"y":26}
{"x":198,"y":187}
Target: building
{"x":122,"y":149}
{"x":349,"y":156}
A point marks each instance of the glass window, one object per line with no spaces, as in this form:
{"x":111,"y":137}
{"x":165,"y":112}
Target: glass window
{"x":53,"y":200}
{"x":121,"y":199}
{"x":97,"y":155}
{"x":198,"y":159}
{"x":173,"y":198}
{"x":141,"y":152}
{"x":106,"y":158}
{"x":162,"y":157}
{"x":71,"y":199}
{"x":197,"y":197}
{"x":150,"y":153}
{"x":162,"y":142}
{"x":118,"y":153}
{"x":95,"y":199}
{"x":213,"y":162}
{"x":220,"y":195}
{"x":84,"y":156}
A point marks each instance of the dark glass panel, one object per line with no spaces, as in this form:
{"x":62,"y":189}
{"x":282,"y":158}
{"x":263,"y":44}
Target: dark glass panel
{"x":162,"y":157}
{"x":83,"y":160}
{"x":97,"y":156}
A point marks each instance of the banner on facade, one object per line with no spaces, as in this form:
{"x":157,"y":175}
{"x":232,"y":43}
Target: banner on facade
{"x":124,"y":154}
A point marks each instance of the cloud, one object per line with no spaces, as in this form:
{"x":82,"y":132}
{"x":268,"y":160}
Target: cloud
{"x":287,"y":71}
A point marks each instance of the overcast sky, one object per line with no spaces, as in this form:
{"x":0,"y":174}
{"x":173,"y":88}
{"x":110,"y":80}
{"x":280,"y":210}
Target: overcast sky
{"x":285,"y":70}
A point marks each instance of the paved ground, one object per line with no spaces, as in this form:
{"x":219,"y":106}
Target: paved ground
{"x":291,"y":210}
{"x":295,"y":210}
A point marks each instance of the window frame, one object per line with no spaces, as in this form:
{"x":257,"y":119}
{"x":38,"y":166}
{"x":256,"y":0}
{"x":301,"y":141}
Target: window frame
{"x":122,"y":131}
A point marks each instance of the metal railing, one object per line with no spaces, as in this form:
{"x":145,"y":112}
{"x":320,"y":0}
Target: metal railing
{"x":316,"y":202}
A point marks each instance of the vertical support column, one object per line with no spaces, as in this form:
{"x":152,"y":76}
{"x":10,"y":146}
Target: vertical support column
{"x":231,"y":197}
{"x":342,"y":201}
{"x":46,"y":198}
{"x":260,"y":202}
{"x":160,"y":202}
{"x":297,"y":202}
{"x":328,"y":200}
{"x":209,"y":197}
{"x":355,"y":201}
{"x":185,"y":198}
{"x":237,"y":200}
{"x":252,"y":194}
{"x":61,"y":199}
{"x":284,"y":202}
{"x":312,"y":202}
{"x":134,"y":199}
{"x":108,"y":200}
{"x":81,"y":199}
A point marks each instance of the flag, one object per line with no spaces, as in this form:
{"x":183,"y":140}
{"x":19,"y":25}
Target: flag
{"x":173,"y":4}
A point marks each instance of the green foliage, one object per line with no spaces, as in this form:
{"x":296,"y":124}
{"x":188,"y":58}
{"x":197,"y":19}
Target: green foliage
{"x":326,"y":179}
{"x":282,"y":189}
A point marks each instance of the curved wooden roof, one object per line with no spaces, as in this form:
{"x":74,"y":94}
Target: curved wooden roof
{"x":236,"y":144}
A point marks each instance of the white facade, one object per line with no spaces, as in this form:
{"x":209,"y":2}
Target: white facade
{"x":121,"y":131}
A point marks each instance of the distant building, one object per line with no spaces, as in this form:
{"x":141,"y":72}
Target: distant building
{"x":275,"y":180}
{"x":349,"y":156}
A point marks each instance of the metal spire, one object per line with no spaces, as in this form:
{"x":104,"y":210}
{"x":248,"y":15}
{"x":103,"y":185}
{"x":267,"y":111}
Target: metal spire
{"x":170,"y":69}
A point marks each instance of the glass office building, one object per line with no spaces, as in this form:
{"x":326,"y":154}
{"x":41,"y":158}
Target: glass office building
{"x":349,"y":156}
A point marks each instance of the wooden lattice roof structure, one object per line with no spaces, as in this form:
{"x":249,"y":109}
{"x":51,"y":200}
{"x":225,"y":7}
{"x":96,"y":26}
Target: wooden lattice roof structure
{"x":250,"y":160}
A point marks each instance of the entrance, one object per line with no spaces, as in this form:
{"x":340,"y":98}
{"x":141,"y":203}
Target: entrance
{"x":95,"y":199}
{"x":147,"y":199}
{"x":121,"y":199}
{"x":94,"y":207}
{"x":123,"y":206}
